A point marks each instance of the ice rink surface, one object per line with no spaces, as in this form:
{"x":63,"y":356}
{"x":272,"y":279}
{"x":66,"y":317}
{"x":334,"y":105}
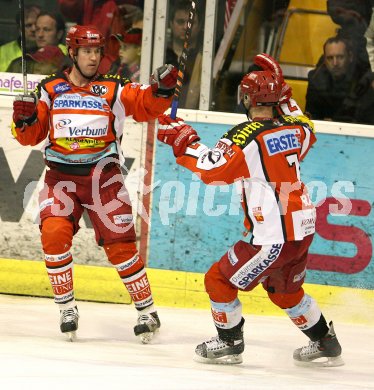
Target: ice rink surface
{"x":107,"y":355}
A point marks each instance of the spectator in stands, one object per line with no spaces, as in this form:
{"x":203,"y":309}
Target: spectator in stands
{"x":336,"y":85}
{"x":365,"y":112}
{"x":49,"y":32}
{"x":190,"y":94}
{"x":103,"y":14}
{"x":353,"y":17}
{"x":46,"y":60}
{"x":369,"y":35}
{"x":137,"y":19}
{"x":128,"y":65}
{"x":132,"y":16}
{"x":12,"y":50}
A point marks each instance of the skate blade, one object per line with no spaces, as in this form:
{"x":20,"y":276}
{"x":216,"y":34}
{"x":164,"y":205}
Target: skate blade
{"x":146,"y":337}
{"x":72,"y":336}
{"x":229,"y":359}
{"x":328,"y":362}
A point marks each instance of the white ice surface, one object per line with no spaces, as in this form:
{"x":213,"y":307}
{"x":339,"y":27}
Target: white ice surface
{"x":107,"y":355}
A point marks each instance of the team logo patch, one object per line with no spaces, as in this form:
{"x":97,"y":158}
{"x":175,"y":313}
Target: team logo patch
{"x":46,"y":203}
{"x":232,"y":256}
{"x":214,"y":156}
{"x":61,"y":87}
{"x":74,"y":146}
{"x":52,"y":258}
{"x":122,"y":218}
{"x":80,"y":102}
{"x":243,"y":134}
{"x":127,"y":264}
{"x":299,"y":321}
{"x":257,"y":213}
{"x":219,"y":316}
{"x":62,"y":123}
{"x":299,"y":276}
{"x":256,"y":266}
{"x":225,"y":148}
{"x":282,"y":141}
{"x":99,"y":89}
{"x":77,"y":126}
{"x":80,"y":143}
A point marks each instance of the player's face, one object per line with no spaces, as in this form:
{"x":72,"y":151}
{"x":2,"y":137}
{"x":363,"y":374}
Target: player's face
{"x":337,"y":59}
{"x":88,"y":59}
{"x":46,"y":32}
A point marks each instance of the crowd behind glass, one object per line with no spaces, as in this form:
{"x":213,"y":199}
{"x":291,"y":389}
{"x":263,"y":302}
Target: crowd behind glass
{"x":340,"y":87}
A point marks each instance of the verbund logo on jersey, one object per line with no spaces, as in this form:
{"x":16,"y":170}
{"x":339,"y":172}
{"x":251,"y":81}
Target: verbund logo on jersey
{"x":282,"y":141}
{"x":75,"y":126}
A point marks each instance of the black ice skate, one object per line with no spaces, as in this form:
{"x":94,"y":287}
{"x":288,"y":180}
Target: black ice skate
{"x":69,"y":322}
{"x":226,"y":348}
{"x":146,"y":326}
{"x":325,"y":352}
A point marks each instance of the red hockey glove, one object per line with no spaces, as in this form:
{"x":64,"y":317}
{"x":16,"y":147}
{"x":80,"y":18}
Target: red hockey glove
{"x":286,"y":93}
{"x":164,"y":80}
{"x":176,"y":133}
{"x":267,"y":62}
{"x":24,"y":110}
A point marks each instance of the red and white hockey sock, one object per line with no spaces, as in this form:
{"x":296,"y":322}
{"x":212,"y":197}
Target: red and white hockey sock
{"x":226,"y":315}
{"x":305,"y":314}
{"x":60,"y":273}
{"x":136,"y":282}
{"x":130,"y":267}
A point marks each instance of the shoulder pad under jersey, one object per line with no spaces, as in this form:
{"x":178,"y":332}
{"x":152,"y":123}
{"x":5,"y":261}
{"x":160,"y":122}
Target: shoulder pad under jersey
{"x":49,"y":79}
{"x":115,"y":77}
{"x":300,"y":119}
{"x":242,"y":134}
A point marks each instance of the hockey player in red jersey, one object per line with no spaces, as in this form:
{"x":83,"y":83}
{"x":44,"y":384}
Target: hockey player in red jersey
{"x":80,"y":113}
{"x":264,"y":153}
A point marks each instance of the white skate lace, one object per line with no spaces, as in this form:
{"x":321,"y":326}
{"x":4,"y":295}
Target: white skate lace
{"x":145,"y":319}
{"x":148,"y":320}
{"x":310,"y":349}
{"x":68,"y":315}
{"x":215,"y":343}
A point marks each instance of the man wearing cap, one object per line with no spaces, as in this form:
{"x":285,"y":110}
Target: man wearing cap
{"x":81,"y":114}
{"x":46,"y":60}
{"x":128,"y":64}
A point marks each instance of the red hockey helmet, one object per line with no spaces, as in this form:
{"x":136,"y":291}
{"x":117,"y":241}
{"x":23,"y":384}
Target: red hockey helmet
{"x":262,"y":87}
{"x":84,"y":36}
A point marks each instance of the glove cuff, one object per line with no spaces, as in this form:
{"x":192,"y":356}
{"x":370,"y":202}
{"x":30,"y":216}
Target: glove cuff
{"x":165,"y":93}
{"x":28,"y":121}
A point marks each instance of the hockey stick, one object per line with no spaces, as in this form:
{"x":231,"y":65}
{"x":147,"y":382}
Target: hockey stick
{"x":183,"y":61}
{"x":23,"y":44}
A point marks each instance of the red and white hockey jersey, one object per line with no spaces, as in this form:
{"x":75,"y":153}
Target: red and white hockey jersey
{"x":265,"y":156}
{"x":84,"y":124}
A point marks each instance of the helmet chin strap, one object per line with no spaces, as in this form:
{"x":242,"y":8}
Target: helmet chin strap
{"x":247,"y":113}
{"x":246,"y":110}
{"x":75,"y":62}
